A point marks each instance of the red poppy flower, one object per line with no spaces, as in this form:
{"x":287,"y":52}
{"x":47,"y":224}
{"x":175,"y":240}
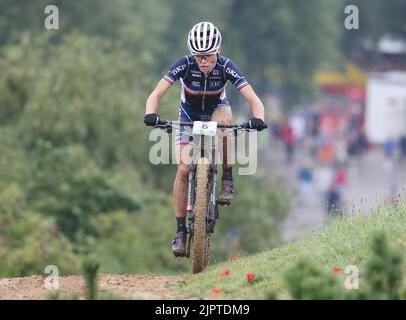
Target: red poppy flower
{"x":250,"y":277}
{"x":225,"y":272}
{"x":215,"y":291}
{"x":336,"y":269}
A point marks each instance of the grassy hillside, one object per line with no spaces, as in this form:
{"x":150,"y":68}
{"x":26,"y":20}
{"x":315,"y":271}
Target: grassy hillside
{"x":345,"y":241}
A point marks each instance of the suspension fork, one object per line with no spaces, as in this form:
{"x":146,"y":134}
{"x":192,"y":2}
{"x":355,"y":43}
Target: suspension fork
{"x":212,"y":205}
{"x":190,"y":217}
{"x":191,"y":197}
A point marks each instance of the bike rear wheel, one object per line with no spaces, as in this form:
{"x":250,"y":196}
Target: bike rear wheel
{"x":201,"y":238}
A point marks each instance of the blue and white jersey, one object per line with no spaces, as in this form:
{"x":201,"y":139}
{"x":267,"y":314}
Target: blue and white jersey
{"x":201,"y":94}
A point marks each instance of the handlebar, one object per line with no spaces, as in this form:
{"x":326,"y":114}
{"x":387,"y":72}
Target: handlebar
{"x":164,"y":124}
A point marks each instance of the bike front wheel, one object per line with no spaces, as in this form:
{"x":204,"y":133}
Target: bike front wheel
{"x":201,"y":238}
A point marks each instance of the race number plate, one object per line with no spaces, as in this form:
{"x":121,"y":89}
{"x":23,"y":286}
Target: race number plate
{"x":206,"y":128}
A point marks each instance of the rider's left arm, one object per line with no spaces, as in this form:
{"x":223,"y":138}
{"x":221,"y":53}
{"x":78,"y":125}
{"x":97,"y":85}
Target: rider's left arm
{"x":257,"y":108}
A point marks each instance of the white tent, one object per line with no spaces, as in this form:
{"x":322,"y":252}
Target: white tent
{"x":385,"y":106}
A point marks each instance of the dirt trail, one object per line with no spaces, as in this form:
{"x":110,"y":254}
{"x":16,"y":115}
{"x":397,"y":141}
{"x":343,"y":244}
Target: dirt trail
{"x":127,"y":286}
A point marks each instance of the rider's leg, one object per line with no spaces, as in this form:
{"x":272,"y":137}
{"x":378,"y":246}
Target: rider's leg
{"x":180,"y":187}
{"x":224,"y":115}
{"x":180,"y":184}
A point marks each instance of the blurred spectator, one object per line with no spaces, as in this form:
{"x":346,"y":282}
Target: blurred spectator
{"x":326,"y":153}
{"x":363,"y":141}
{"x":389,"y":148}
{"x":305,"y":178}
{"x":353,"y":143}
{"x":340,"y":179}
{"x":333,"y":202}
{"x":289,"y":140}
{"x":314,"y":123}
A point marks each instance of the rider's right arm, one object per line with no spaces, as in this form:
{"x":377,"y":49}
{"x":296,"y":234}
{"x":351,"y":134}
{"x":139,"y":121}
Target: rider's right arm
{"x":178,"y":70}
{"x":155,"y":96}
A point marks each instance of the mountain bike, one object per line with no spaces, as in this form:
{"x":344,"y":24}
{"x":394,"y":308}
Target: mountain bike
{"x":202,"y":204}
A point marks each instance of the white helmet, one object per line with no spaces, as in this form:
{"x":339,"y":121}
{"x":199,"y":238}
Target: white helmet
{"x":204,"y":38}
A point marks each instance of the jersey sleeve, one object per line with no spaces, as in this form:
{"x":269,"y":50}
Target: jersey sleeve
{"x":234,"y":75}
{"x":178,"y":70}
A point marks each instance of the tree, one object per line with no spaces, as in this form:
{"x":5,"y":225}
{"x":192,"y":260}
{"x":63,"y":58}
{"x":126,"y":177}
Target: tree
{"x":292,"y":39}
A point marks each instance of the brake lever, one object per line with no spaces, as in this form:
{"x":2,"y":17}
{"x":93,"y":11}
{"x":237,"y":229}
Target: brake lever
{"x":166,"y":127}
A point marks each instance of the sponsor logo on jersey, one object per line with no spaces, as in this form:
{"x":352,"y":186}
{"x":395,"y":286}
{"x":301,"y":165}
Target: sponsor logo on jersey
{"x":196,"y":74}
{"x":214,"y":84}
{"x":196,"y":83}
{"x":216,"y":72}
{"x":233,"y":73}
{"x":178,"y":69}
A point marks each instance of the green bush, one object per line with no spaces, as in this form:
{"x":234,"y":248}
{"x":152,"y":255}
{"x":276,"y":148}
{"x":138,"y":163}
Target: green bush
{"x":383,"y":270}
{"x":29,"y":241}
{"x":382,"y":277}
{"x":308,"y":281}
